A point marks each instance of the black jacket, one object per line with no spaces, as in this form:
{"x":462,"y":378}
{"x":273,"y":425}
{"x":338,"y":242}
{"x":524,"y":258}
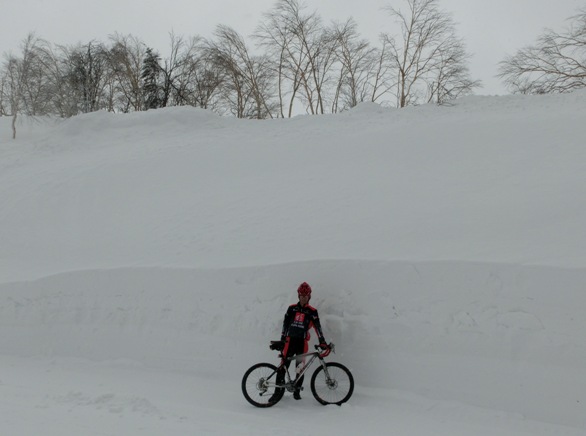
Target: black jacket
{"x":298,"y":320}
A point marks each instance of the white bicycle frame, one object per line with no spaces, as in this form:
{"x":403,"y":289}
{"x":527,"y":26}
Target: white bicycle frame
{"x":290,"y":384}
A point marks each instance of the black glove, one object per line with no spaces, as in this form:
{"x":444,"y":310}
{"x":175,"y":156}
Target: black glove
{"x":324,"y":346}
{"x":277,"y":345}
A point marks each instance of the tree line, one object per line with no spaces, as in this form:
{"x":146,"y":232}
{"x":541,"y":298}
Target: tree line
{"x":294,"y":62}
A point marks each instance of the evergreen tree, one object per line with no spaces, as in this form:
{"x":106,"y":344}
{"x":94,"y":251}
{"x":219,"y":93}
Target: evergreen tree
{"x":151,"y":71}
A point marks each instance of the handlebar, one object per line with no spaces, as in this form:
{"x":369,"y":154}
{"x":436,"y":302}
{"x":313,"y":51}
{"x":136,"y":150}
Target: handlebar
{"x":331,"y":349}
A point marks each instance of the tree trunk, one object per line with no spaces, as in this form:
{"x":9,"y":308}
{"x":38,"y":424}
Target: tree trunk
{"x":14,"y":124}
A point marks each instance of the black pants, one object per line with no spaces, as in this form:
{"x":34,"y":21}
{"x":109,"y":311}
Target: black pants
{"x":293,"y":347}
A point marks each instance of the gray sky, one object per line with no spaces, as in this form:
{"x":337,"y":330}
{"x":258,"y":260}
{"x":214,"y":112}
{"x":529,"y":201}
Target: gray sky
{"x":490,"y":28}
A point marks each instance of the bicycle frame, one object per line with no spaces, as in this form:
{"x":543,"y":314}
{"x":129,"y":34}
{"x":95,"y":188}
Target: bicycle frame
{"x":290,"y":383}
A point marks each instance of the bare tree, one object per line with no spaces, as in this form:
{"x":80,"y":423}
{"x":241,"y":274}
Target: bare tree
{"x":450,"y":78}
{"x":206,"y":79}
{"x":556,"y":63}
{"x":197,"y":79}
{"x":360,"y":68}
{"x":13,"y":88}
{"x":420,"y":55}
{"x":248,"y":79}
{"x":302,"y":54}
{"x":223,"y":55}
{"x":170,"y":68}
{"x":125,"y":61}
{"x":275,"y":35}
{"x":322,"y":60}
{"x":382,"y":79}
{"x":175,"y":80}
{"x":62,"y":98}
{"x":87,"y":75}
{"x":3,"y":93}
{"x":175,"y":69}
{"x":312,"y":55}
{"x":25,"y":84}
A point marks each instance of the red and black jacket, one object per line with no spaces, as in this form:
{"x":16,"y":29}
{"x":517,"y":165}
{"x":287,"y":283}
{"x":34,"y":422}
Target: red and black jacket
{"x":298,"y":320}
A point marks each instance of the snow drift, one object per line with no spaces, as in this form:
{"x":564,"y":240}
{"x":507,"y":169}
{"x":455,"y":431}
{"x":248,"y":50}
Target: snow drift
{"x":445,"y":246}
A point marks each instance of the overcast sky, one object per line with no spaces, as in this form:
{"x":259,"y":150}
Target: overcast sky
{"x":490,"y":28}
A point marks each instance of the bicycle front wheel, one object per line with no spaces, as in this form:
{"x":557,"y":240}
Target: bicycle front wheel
{"x":259,"y":385}
{"x":335,"y":387}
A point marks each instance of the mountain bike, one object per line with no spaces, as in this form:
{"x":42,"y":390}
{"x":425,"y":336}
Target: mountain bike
{"x":331,"y":383}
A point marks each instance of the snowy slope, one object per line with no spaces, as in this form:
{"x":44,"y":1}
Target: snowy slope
{"x":147,"y":259}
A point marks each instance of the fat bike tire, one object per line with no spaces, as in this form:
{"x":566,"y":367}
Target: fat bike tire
{"x":258,"y":385}
{"x":338,"y":389}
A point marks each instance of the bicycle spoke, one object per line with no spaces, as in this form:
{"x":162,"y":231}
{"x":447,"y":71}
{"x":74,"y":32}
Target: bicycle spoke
{"x":336,"y":389}
{"x":259,"y":385}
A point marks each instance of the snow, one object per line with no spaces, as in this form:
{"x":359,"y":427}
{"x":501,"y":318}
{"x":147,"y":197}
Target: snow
{"x":147,"y":259}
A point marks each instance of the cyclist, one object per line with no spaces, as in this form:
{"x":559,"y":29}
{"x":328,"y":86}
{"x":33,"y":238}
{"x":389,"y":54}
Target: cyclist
{"x":300,"y":317}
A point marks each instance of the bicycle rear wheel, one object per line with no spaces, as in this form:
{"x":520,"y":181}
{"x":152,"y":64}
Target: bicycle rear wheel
{"x":336,"y":389}
{"x":259,"y":385}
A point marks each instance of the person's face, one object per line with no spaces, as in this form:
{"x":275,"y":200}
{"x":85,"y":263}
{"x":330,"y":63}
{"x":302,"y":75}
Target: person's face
{"x":303,"y":299}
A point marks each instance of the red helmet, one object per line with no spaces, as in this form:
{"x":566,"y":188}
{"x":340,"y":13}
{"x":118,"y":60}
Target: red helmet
{"x":304,"y":289}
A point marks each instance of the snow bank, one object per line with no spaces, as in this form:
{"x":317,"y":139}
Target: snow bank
{"x":445,"y":246}
{"x":485,"y":180}
{"x":488,"y":335}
